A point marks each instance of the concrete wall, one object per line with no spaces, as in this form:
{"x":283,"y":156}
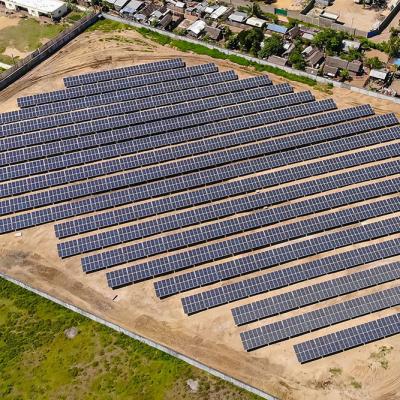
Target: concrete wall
{"x":41,"y":54}
{"x":318,"y":79}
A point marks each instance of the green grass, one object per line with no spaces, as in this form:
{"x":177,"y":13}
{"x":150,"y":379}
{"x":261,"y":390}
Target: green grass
{"x":37,"y":360}
{"x":182,"y":45}
{"x":27,"y":35}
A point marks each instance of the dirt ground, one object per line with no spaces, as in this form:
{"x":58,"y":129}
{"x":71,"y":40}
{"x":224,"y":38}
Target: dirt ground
{"x":211,"y":336}
{"x":355,"y":15}
{"x":5,"y":22}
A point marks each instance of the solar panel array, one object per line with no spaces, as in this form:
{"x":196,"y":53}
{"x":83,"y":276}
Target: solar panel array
{"x":162,"y":168}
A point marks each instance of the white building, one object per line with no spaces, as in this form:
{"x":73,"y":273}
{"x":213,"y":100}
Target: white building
{"x":49,"y":8}
{"x":256,"y":22}
{"x":196,"y":28}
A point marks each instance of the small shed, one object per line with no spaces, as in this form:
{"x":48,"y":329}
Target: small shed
{"x":350,"y":44}
{"x":378,"y":74}
{"x":277,"y":29}
{"x":132,"y":7}
{"x":196,"y":28}
{"x":219,"y":12}
{"x":256,"y":22}
{"x":330,"y":16}
{"x":237,"y":16}
{"x":308,"y":36}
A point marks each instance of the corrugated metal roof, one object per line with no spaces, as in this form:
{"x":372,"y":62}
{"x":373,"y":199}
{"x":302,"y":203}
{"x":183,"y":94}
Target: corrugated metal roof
{"x":277,"y":28}
{"x":375,"y":73}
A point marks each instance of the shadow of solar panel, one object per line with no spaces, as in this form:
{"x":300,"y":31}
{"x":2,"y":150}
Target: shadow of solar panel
{"x":346,"y":339}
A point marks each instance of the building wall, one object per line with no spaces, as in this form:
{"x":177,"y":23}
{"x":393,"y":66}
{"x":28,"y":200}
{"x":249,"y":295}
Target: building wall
{"x":36,"y":13}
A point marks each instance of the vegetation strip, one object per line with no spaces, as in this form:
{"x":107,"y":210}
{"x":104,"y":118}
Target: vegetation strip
{"x":34,"y":342}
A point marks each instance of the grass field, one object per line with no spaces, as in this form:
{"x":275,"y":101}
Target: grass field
{"x":39,"y":361}
{"x":26,"y":37}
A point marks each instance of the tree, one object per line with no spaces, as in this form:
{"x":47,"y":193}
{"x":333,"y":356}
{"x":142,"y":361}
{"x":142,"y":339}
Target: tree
{"x":273,"y":45}
{"x":393,"y":44}
{"x":297,"y":60}
{"x":374,"y":63}
{"x":329,"y":40}
{"x":250,"y":40}
{"x":344,"y":74}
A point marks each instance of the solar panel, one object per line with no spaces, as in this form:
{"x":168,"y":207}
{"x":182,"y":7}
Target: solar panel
{"x":114,"y":85}
{"x":211,"y":140}
{"x":276,"y":279}
{"x":147,"y":123}
{"x":117,"y":73}
{"x":230,"y":246}
{"x":218,"y":157}
{"x":316,"y":293}
{"x":117,"y":96}
{"x":320,"y":318}
{"x":217,"y":211}
{"x":130,"y":106}
{"x":348,"y":338}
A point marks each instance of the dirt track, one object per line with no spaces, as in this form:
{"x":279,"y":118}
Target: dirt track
{"x":210,"y":336}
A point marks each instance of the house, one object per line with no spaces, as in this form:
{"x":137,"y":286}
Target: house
{"x":196,"y":28}
{"x":277,"y":60}
{"x":132,"y":8}
{"x":238,"y":17}
{"x":275,"y":28}
{"x":219,"y":12}
{"x":336,"y":62}
{"x":354,"y":67}
{"x":213,"y":33}
{"x":350,"y":44}
{"x":256,"y":22}
{"x":315,"y":58}
{"x":330,"y":71}
{"x":165,"y":21}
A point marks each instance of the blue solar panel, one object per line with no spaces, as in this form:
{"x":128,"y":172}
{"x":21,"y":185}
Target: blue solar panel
{"x":348,"y":338}
{"x":117,"y":73}
{"x":320,"y":318}
{"x":316,"y":293}
{"x":276,"y":279}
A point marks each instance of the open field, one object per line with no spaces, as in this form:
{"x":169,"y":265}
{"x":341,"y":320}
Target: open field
{"x":20,"y":37}
{"x":367,"y":373}
{"x":48,"y":352}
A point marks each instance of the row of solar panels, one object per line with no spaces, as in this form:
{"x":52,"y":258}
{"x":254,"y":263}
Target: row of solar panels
{"x":308,"y":295}
{"x":186,"y":143}
{"x":222,"y":210}
{"x":222,"y":228}
{"x":120,"y":95}
{"x":89,"y":136}
{"x":276,"y":279}
{"x":162,"y":104}
{"x":348,"y":338}
{"x":114,"y":85}
{"x":208,"y":157}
